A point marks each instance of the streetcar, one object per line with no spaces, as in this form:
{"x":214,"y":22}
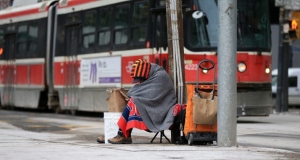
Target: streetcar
{"x":64,"y":55}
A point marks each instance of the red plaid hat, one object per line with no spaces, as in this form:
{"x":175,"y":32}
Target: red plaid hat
{"x":140,"y":69}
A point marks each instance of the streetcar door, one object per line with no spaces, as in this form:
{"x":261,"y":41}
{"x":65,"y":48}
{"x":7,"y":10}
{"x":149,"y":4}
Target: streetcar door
{"x":9,"y":71}
{"x":160,"y":34}
{"x":71,"y":69}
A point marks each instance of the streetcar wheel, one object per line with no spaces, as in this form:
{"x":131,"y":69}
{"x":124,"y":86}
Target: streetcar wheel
{"x":210,"y":143}
{"x":57,"y":109}
{"x":73,"y":112}
{"x":191,"y":139}
{"x":11,"y":108}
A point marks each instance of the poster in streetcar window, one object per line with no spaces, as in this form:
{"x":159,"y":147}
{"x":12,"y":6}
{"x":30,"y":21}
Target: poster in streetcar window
{"x":105,"y":71}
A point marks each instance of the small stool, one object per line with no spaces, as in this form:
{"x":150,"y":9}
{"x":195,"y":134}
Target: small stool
{"x":162,"y":133}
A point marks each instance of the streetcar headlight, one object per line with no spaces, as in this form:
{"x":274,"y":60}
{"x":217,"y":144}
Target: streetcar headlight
{"x":204,"y":71}
{"x":242,"y":67}
{"x":267,"y":70}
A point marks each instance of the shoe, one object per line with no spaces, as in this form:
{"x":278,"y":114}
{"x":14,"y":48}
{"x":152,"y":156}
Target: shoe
{"x":101,"y":139}
{"x":120,"y":140}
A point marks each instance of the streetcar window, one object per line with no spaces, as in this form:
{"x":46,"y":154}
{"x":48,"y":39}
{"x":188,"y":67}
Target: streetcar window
{"x":21,"y":38}
{"x":121,"y":17}
{"x":140,"y":13}
{"x":72,"y":18}
{"x":161,"y":36}
{"x":199,"y":36}
{"x":139,"y":34}
{"x":121,"y":36}
{"x":104,"y":37}
{"x":1,"y":37}
{"x":253,"y":26}
{"x":104,"y":34}
{"x":88,"y":31}
{"x":139,"y":22}
{"x":22,"y":33}
{"x":33,"y":35}
{"x":203,"y":31}
{"x":105,"y":19}
{"x":121,"y":24}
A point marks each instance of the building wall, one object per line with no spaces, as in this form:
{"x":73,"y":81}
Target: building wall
{"x":295,"y":49}
{"x":296,"y":54}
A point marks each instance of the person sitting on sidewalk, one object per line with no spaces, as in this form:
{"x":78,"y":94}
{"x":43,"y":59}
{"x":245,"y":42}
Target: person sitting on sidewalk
{"x":150,"y":104}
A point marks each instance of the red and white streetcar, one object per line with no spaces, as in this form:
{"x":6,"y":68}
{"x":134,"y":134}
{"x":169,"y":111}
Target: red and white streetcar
{"x":65,"y":54}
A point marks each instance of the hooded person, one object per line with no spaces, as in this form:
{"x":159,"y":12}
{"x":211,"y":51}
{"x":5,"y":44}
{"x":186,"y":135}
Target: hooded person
{"x":150,"y":104}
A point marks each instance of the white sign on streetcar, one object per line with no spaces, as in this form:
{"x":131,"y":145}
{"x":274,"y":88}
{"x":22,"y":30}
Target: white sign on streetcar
{"x":104,"y":71}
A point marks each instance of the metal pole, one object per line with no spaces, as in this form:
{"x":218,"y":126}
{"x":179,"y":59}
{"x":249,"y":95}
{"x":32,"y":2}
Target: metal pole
{"x":175,"y":50}
{"x":283,"y":64}
{"x":286,"y":56}
{"x":227,"y":88}
{"x":280,"y":63}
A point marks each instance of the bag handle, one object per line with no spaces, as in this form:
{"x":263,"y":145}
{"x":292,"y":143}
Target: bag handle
{"x":197,"y":76}
{"x":124,"y":94}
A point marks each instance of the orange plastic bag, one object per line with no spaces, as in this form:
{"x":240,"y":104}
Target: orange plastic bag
{"x":189,"y":125}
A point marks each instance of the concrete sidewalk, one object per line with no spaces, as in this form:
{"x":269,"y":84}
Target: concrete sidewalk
{"x":18,"y":144}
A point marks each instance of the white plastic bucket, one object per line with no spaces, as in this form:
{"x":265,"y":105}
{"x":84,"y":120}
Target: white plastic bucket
{"x":111,"y":124}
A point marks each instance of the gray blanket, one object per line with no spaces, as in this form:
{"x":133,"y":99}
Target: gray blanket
{"x":155,"y":98}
